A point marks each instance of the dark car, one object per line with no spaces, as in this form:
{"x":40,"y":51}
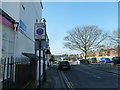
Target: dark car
{"x":64,"y":65}
{"x":92,"y":60}
{"x":116,"y":60}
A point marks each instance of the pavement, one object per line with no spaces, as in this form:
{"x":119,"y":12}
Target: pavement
{"x":115,"y":69}
{"x":54,"y":79}
{"x":0,"y":85}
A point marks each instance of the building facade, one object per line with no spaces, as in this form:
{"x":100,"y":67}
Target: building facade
{"x":21,"y":40}
{"x":17,"y":21}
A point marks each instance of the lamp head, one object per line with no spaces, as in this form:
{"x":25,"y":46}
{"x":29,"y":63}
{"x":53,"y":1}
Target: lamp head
{"x":44,"y":21}
{"x":16,"y":24}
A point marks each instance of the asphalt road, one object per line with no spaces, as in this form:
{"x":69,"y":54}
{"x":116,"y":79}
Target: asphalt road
{"x":85,"y":77}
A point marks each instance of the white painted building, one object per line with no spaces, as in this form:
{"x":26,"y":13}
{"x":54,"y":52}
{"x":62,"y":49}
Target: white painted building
{"x":13,"y":41}
{"x":26,"y":14}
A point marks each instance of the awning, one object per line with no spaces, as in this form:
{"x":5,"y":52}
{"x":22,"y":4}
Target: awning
{"x":6,"y":19}
{"x":30,"y":55}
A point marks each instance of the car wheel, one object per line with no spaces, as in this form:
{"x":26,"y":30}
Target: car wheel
{"x":114,"y":63}
{"x":60,"y":69}
{"x":69,"y":68}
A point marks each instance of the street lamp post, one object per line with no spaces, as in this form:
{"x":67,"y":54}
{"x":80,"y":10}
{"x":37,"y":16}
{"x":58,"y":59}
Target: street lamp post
{"x":44,"y":69}
{"x":40,"y":34}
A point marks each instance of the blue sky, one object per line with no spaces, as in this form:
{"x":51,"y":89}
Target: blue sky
{"x":64,"y":16}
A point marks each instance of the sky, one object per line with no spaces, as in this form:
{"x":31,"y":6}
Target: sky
{"x":61,"y":17}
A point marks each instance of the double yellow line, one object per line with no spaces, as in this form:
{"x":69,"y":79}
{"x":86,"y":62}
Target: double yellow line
{"x":69,"y":84}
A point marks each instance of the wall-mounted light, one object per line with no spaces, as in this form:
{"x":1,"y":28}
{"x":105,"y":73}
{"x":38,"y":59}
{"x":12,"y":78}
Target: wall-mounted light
{"x":44,"y":21}
{"x":16,"y":24}
{"x":48,"y":51}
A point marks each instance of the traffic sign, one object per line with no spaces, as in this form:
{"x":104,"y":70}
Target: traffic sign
{"x":39,"y":30}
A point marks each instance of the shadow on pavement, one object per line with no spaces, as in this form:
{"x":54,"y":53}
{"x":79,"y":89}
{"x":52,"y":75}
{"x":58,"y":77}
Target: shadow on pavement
{"x":53,"y":79}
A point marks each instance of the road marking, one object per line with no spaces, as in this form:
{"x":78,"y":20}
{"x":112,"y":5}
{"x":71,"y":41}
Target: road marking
{"x":69,"y":84}
{"x":61,"y":77}
{"x":89,"y":73}
{"x":98,"y":77}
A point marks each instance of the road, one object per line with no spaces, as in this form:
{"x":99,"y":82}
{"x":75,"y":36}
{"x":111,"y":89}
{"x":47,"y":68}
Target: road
{"x":82,"y":76}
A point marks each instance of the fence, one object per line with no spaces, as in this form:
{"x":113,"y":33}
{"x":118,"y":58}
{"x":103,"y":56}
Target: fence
{"x":15,"y":72}
{"x":0,"y":70}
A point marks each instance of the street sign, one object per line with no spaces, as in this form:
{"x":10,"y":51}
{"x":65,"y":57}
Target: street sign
{"x":43,"y":42}
{"x":39,"y":31}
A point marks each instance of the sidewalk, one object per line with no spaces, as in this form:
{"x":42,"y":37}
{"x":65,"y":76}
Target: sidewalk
{"x":107,"y":68}
{"x":53,"y":79}
{"x":0,"y":85}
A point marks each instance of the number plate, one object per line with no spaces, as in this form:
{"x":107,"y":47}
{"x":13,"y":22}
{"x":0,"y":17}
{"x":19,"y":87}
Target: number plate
{"x":65,"y":67}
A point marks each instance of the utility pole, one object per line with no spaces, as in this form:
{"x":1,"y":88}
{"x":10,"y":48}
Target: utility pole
{"x":44,"y":65}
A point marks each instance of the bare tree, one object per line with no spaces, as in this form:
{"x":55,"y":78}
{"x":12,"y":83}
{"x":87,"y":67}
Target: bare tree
{"x":115,"y":40}
{"x":84,"y":38}
{"x":115,"y":37}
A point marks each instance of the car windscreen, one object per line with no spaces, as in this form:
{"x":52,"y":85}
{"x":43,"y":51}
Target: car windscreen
{"x":64,"y":63}
{"x":93,"y":58}
{"x":116,"y":58}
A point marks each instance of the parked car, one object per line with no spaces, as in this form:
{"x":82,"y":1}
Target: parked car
{"x":92,"y":60}
{"x":116,"y":60}
{"x":64,"y":65}
{"x":105,"y":60}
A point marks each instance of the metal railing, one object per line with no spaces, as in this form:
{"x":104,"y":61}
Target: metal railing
{"x":8,"y":69}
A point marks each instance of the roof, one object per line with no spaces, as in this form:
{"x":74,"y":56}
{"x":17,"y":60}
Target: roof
{"x":30,"y":55}
{"x":6,"y":16}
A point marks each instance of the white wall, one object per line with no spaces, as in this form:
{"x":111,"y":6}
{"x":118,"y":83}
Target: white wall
{"x":25,"y":41}
{"x":12,"y":9}
{"x":0,"y":40}
{"x":0,"y":36}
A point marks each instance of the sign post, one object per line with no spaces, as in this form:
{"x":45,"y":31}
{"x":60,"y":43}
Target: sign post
{"x":40,"y":31}
{"x":40,"y":34}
